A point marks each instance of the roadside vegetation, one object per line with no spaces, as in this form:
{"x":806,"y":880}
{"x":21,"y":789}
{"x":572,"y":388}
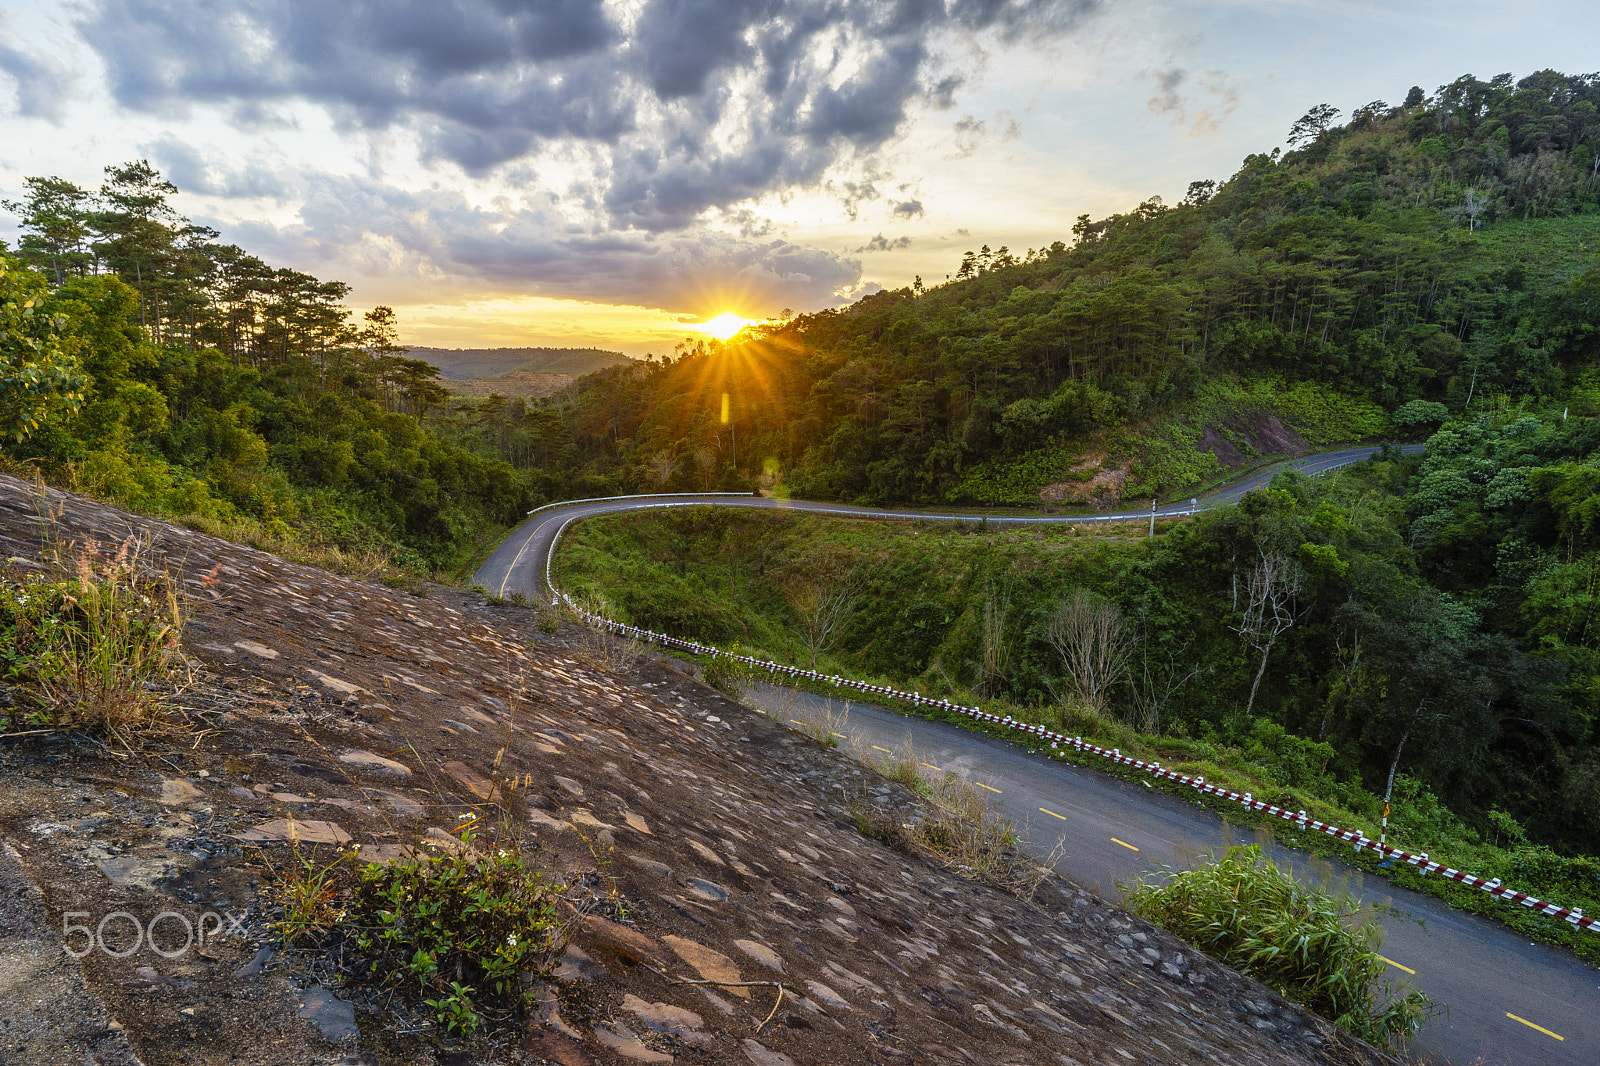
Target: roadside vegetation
{"x":1316,"y":947}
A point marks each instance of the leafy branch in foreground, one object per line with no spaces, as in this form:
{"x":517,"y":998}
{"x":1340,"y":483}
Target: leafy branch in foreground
{"x":1317,"y":949}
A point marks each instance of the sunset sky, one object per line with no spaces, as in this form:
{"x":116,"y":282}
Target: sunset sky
{"x":581,"y":172}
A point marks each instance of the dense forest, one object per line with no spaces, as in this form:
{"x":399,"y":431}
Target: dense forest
{"x":145,"y":363}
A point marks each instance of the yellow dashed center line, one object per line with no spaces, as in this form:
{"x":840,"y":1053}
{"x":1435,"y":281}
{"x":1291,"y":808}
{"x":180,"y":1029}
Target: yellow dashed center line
{"x":886,"y":751}
{"x":841,"y":736}
{"x":1053,"y":814}
{"x":1124,"y":843}
{"x":991,"y":788}
{"x":1530,"y":1025}
{"x":796,"y":721}
{"x":520,"y":550}
{"x":930,"y":766}
{"x":1397,"y":966}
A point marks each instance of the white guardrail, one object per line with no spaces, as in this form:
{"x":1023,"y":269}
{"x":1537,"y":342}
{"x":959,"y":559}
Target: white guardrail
{"x":1359,"y":840}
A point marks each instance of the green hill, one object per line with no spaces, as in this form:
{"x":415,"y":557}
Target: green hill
{"x":1436,"y":251}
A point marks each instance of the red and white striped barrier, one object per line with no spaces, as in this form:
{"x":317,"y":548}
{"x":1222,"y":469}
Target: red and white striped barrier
{"x":1356,"y":838}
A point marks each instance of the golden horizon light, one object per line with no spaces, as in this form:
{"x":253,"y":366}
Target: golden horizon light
{"x":723,"y":326}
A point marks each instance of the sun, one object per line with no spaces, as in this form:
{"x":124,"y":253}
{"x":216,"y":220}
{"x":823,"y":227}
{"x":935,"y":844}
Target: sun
{"x":723,"y":326}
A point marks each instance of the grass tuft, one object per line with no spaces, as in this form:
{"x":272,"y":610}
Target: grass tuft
{"x":92,"y":640}
{"x":958,"y":829}
{"x":1313,"y":947}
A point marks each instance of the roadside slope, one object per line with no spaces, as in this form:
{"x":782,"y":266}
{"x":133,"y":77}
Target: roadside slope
{"x":337,"y":709}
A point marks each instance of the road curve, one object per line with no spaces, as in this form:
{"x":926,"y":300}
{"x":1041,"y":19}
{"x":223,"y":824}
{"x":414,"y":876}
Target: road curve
{"x":521,"y":561}
{"x":1510,"y":1002}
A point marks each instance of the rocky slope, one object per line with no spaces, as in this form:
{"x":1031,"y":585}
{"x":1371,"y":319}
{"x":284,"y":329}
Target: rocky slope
{"x":334,"y":711}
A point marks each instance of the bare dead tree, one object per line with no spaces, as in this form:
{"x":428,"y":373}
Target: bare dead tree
{"x":994,"y":659}
{"x":821,"y":605}
{"x":1160,"y":682}
{"x":1269,"y":594}
{"x":1095,"y":643}
{"x":1472,"y":206}
{"x":660,"y":468}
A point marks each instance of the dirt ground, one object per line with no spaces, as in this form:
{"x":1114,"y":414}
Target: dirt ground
{"x":328,"y":710}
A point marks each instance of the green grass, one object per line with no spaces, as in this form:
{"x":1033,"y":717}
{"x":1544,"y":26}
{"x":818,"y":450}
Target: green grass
{"x":1316,"y":948}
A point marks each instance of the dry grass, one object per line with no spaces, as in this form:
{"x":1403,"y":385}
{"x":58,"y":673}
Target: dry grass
{"x":826,"y":724}
{"x":594,"y":647}
{"x":959,"y":829}
{"x":93,"y":639}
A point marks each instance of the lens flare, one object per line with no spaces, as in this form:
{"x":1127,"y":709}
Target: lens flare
{"x":723,"y":326}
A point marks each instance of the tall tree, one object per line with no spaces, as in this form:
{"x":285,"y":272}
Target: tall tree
{"x":1310,"y":127}
{"x":55,"y":223}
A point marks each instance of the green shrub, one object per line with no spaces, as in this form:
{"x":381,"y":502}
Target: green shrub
{"x":1316,"y":949}
{"x":725,"y":675}
{"x":459,"y":931}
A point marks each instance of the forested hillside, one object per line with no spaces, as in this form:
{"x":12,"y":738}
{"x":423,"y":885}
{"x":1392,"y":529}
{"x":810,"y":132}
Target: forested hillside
{"x":1440,"y":251}
{"x":459,"y":364}
{"x":145,"y":363}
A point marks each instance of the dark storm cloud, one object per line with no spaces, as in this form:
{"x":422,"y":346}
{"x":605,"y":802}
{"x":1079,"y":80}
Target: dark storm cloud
{"x":483,"y":79}
{"x":692,"y":104}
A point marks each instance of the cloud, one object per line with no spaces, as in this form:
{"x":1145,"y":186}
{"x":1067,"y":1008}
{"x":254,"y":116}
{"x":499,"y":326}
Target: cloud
{"x":41,"y":84}
{"x":186,"y":168}
{"x":908,"y":209}
{"x":683,"y":105}
{"x":1168,"y":101}
{"x":880,"y":243}
{"x":431,"y":242}
{"x":969,"y":133}
{"x":853,"y":194}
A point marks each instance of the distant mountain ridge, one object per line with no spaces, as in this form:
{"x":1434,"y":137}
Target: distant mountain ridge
{"x":460,"y":364}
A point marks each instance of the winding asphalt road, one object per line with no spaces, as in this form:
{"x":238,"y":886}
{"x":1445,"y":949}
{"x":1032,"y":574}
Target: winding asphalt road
{"x":521,"y":562}
{"x":1510,"y":1002}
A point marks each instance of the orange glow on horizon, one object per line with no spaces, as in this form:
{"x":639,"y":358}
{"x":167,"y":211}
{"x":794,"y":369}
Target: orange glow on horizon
{"x":723,"y":326}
